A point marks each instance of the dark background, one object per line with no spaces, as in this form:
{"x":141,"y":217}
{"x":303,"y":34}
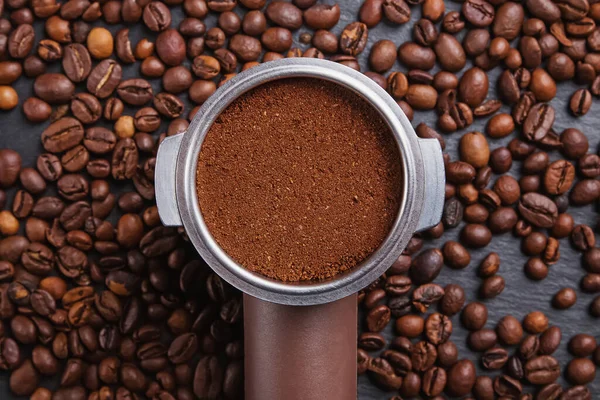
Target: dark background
{"x":521,"y":295}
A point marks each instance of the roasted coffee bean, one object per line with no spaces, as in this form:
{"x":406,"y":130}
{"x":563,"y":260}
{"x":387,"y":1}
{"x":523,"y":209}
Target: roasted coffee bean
{"x":383,"y":374}
{"x":396,"y":11}
{"x":577,"y":392}
{"x":438,"y":328}
{"x":10,"y":71}
{"x":382,"y":56}
{"x":53,"y":88}
{"x":86,"y":108}
{"x":371,"y":341}
{"x":573,"y":10}
{"x":123,"y":46}
{"x":535,"y":322}
{"x":575,"y":143}
{"x":591,"y":283}
{"x":400,"y":362}
{"x":414,"y":56}
{"x":75,"y":159}
{"x":460,"y":173}
{"x":461,"y":378}
{"x":476,"y":214}
{"x":482,"y":340}
{"x":538,"y":210}
{"x":447,"y":354}
{"x":476,"y":235}
{"x":38,"y":259}
{"x":353,"y":38}
{"x":10,"y":161}
{"x":582,"y":345}
{"x":246,"y":48}
{"x":170,"y":47}
{"x":492,"y":287}
{"x":370,"y":13}
{"x":551,"y":391}
{"x":449,"y":53}
{"x":208,"y":377}
{"x":157,"y":16}
{"x":542,"y":370}
{"x":20,"y":41}
{"x":508,"y":21}
{"x":100,"y":42}
{"x":75,"y":215}
{"x":76,"y":62}
{"x":9,"y":354}
{"x":362,"y":361}
{"x":564,"y":298}
{"x":122,"y":283}
{"x":509,"y":330}
{"x":453,"y":213}
{"x":423,"y":356}
{"x":476,"y":41}
{"x":538,"y":122}
{"x":500,"y":160}
{"x":410,"y":326}
{"x":113,"y":109}
{"x":124,"y":160}
{"x":453,"y":22}
{"x":425,"y":295}
{"x":400,"y":306}
{"x":455,"y":255}
{"x":504,"y":385}
{"x":580,"y":102}
{"x":24,"y":379}
{"x":453,"y":300}
{"x":585,"y":192}
{"x":135,"y":91}
{"x":434,"y":381}
{"x":21,"y":208}
{"x":494,"y":358}
{"x":474,"y":149}
{"x":322,"y":16}
{"x":104,"y":78}
{"x":32,"y":181}
{"x":284,"y":14}
{"x":73,"y":187}
{"x":378,"y":318}
{"x":546,"y":345}
{"x":583,"y":238}
{"x":474,"y":316}
{"x":36,"y":110}
{"x":397,"y":285}
{"x":168,"y":105}
{"x":484,"y":387}
{"x":589,"y":166}
{"x":99,"y":140}
{"x":478,"y":12}
{"x":425,"y":32}
{"x":426,"y":266}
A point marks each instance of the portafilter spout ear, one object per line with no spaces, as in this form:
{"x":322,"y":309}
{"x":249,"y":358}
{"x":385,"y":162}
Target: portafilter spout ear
{"x":300,"y":339}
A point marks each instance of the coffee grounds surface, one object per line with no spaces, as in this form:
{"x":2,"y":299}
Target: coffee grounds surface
{"x":299,"y":179}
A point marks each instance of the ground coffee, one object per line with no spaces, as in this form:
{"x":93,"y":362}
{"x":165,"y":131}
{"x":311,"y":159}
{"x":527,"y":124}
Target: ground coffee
{"x":299,"y":179}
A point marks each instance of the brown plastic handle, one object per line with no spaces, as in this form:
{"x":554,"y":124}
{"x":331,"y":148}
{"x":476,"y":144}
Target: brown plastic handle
{"x":300,"y":352}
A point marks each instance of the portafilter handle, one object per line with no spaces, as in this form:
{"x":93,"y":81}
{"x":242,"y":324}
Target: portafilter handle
{"x":300,"y":352}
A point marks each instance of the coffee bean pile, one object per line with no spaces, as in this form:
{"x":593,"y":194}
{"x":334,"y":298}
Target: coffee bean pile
{"x":94,"y":291}
{"x":532,"y":45}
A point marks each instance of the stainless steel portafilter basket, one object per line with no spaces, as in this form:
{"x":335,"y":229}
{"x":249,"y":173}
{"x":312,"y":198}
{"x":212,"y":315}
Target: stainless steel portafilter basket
{"x":325,"y":332}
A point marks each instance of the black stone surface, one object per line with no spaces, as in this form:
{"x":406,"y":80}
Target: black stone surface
{"x":521,"y":295}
